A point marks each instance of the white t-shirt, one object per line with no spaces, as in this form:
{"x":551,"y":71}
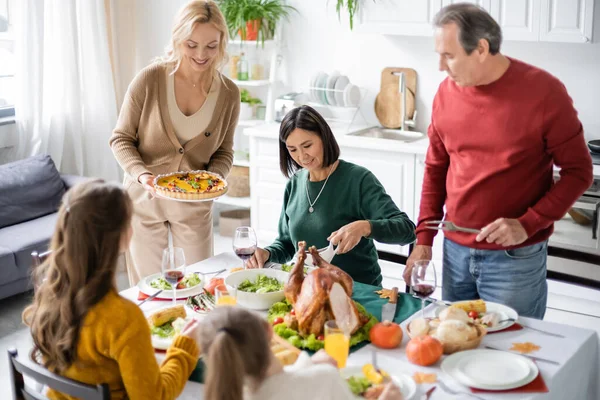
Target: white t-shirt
{"x":304,"y":381}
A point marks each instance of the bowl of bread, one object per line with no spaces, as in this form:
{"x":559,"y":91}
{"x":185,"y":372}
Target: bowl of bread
{"x":453,"y":328}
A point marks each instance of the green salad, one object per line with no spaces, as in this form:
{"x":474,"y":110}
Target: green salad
{"x":168,"y":329}
{"x":280,"y":309}
{"x":190,"y":280}
{"x":358,"y":384}
{"x":262,"y":284}
{"x":290,"y":266}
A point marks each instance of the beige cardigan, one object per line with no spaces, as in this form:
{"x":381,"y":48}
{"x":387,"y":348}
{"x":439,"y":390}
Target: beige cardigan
{"x":144,"y":140}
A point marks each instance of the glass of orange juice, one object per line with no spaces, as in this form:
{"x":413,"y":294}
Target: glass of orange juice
{"x":337,"y":343}
{"x":225,"y":296}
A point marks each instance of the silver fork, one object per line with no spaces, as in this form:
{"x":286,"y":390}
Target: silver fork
{"x":445,"y":388}
{"x":449,"y":226}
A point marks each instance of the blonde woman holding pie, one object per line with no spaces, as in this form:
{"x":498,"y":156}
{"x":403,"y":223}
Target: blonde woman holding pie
{"x":329,"y":199}
{"x":179,"y":114}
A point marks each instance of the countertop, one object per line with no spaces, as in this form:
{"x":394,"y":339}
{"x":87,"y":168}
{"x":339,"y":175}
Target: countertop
{"x":271,"y":131}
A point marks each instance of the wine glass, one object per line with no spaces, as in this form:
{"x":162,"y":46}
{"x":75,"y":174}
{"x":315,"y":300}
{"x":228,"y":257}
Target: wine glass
{"x":244,"y":243}
{"x":173,"y":268}
{"x":423,"y":281}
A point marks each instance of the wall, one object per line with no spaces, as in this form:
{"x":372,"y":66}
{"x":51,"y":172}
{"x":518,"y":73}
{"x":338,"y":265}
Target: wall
{"x":315,"y":40}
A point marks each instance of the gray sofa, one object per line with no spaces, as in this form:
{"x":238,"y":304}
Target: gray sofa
{"x":30,"y":194}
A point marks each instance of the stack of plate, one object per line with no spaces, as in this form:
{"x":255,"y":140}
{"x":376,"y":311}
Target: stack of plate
{"x":490,"y":369}
{"x":334,"y":90}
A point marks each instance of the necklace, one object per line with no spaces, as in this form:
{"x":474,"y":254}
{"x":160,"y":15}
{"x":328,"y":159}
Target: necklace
{"x":311,"y":204}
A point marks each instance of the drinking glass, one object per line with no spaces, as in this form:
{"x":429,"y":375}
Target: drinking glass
{"x":337,"y":343}
{"x":225,"y":296}
{"x":173,"y":268}
{"x":423,"y":281}
{"x":244,"y":243}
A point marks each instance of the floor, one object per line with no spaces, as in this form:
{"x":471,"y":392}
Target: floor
{"x":14,"y":334}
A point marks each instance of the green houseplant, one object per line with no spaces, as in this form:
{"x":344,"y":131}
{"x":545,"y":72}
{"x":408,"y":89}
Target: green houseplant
{"x":351,"y":6}
{"x":254,"y":19}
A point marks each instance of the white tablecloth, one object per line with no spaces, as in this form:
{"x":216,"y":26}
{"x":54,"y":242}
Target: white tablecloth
{"x":577,"y":376}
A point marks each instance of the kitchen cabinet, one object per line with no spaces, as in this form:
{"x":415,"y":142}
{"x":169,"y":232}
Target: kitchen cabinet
{"x":567,"y":21}
{"x":521,"y":20}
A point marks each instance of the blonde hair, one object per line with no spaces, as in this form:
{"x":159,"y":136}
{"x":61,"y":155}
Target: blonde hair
{"x":236,"y":346}
{"x":79,"y":271}
{"x":196,"y":12}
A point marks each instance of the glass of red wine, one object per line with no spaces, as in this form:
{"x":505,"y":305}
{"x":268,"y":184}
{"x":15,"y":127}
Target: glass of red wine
{"x":173,"y":268}
{"x":423,"y":281}
{"x":244,"y":243}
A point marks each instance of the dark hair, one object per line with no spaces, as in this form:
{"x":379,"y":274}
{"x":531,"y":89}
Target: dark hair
{"x":308,"y":119}
{"x":79,"y":272}
{"x":474,"y":24}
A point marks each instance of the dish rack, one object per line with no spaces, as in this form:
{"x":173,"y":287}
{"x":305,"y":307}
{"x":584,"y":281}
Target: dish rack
{"x":341,"y":117}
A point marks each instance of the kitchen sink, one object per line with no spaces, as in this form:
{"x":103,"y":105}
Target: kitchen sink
{"x":390,"y":134}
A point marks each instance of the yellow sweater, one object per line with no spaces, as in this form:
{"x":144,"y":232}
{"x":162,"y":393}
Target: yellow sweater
{"x":115,"y":348}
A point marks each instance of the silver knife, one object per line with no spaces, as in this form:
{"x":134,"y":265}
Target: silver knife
{"x":526,"y":355}
{"x":388,"y":311}
{"x":558,"y":335}
{"x":150,"y":298}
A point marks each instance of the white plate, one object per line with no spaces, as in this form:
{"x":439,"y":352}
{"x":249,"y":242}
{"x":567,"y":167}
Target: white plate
{"x":404,"y":382}
{"x":330,"y":85}
{"x":144,"y":287}
{"x":160,"y":343}
{"x":490,"y":369}
{"x":313,"y":83}
{"x":351,"y":96}
{"x":321,"y":93}
{"x":158,"y":194}
{"x":504,"y":312}
{"x":340,"y":85}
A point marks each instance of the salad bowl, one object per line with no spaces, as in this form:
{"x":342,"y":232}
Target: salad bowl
{"x":258,"y":289}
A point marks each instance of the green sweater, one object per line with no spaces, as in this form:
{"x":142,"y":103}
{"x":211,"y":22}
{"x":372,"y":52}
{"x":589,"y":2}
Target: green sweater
{"x":352,"y":193}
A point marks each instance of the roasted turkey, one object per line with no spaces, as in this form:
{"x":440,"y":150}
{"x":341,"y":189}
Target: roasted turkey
{"x":323,"y":295}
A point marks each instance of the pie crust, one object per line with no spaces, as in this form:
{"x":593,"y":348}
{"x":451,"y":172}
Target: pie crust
{"x":191,"y":185}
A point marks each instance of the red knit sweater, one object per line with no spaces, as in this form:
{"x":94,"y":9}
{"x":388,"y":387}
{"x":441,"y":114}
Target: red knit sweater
{"x":491,"y":153}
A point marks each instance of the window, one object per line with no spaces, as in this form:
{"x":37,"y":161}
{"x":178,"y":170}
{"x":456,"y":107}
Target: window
{"x":7,"y":58}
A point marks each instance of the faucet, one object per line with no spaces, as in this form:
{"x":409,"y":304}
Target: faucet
{"x":402,"y":89}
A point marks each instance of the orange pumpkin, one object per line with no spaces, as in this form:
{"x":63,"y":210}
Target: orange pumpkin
{"x":386,"y":335}
{"x":424,"y":350}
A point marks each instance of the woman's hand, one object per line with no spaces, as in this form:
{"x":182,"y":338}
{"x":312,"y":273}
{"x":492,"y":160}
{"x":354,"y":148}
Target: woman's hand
{"x":192,"y":331}
{"x":321,"y":357}
{"x":259,"y":258}
{"x":391,"y":392}
{"x":348,"y":236}
{"x":147,"y":181}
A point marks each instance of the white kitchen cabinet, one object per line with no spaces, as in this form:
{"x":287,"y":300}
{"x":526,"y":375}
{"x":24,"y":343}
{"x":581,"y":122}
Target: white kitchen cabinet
{"x":399,"y":17}
{"x":567,"y":21}
{"x":519,"y":19}
{"x":483,"y":3}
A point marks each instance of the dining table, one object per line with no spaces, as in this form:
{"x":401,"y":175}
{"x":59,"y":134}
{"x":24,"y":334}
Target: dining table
{"x":568,"y":356}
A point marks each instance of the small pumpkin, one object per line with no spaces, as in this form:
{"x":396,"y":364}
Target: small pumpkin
{"x":424,"y":350}
{"x":386,"y":335}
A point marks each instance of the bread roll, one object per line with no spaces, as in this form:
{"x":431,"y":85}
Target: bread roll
{"x":418,"y":327}
{"x":452,"y":313}
{"x":454,"y":331}
{"x":165,"y":315}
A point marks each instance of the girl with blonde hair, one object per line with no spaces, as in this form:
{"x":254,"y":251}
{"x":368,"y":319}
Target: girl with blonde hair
{"x":82,"y":329}
{"x":240,"y":364}
{"x":179,"y":114}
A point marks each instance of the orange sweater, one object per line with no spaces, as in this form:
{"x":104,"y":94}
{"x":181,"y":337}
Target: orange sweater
{"x":115,"y":348}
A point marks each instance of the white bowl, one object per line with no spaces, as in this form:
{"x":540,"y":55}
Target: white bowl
{"x":257,"y":301}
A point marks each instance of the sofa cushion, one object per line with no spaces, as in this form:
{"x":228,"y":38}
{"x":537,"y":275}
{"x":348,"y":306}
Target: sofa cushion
{"x":8,"y":267}
{"x":22,"y":239}
{"x":29,"y":188}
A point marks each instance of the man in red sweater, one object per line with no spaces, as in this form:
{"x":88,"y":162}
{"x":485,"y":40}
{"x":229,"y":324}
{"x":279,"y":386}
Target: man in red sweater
{"x":497,"y":127}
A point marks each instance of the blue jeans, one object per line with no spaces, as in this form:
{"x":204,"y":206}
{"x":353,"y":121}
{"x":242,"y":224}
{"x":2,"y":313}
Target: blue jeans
{"x":516,"y":278}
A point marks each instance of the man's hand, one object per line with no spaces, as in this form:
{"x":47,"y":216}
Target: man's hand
{"x":259,"y":258}
{"x":504,"y":232}
{"x":348,"y":236}
{"x":420,"y":252}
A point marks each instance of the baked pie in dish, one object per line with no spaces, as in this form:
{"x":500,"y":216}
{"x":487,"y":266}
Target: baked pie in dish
{"x":190,"y":186}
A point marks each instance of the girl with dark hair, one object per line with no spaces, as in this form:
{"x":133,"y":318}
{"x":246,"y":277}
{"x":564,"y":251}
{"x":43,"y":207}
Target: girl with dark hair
{"x":331,"y":200}
{"x":82,"y":329}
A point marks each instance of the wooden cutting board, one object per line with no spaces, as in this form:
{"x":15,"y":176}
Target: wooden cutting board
{"x":389,"y":99}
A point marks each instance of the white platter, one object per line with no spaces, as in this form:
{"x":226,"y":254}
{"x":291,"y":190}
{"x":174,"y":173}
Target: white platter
{"x":144,"y":287}
{"x":404,"y":382}
{"x":504,"y":312}
{"x":490,"y":369}
{"x":160,"y":343}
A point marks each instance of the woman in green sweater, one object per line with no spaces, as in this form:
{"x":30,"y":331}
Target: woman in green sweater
{"x":328,"y":199}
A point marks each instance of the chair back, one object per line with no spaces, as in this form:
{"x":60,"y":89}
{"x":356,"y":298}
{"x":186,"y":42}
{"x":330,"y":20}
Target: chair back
{"x":23,"y":367}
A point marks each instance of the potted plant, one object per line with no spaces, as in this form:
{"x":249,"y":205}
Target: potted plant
{"x":351,"y":6}
{"x":254,"y":19}
{"x":247,"y":104}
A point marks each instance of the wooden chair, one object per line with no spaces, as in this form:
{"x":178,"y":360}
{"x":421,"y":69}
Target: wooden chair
{"x":18,"y":368}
